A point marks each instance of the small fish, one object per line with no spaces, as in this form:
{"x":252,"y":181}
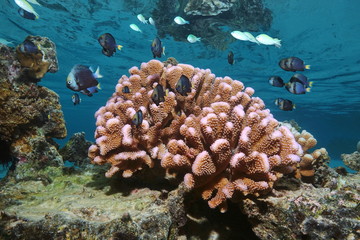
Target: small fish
{"x":81,"y":78}
{"x":89,"y":91}
{"x":142,"y":19}
{"x":137,"y":118}
{"x":179,"y":20}
{"x":158,"y":94}
{"x":301,"y":79}
{"x":293,"y":64}
{"x":28,"y":47}
{"x":296,"y":88}
{"x":125,"y":89}
{"x":135,"y":27}
{"x":76,"y":99}
{"x":26,"y":14}
{"x":27,"y":7}
{"x":5,"y":42}
{"x":156,"y":48}
{"x":151,"y":21}
{"x":183,"y":86}
{"x":276,"y":81}
{"x":284,"y":104}
{"x":192,"y":38}
{"x":239,"y":35}
{"x":231,"y":58}
{"x":267,"y":40}
{"x":107,"y":41}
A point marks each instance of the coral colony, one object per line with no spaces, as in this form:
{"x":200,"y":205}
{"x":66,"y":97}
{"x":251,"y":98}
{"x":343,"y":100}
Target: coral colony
{"x":217,"y":135}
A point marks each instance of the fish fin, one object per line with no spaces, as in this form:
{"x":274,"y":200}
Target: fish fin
{"x":294,"y":106}
{"x":308,"y":89}
{"x":311,"y":84}
{"x":98,"y":86}
{"x":277,"y":42}
{"x":97,"y":73}
{"x":307,"y":66}
{"x":119,"y":47}
{"x":167,"y":92}
{"x":163,"y":51}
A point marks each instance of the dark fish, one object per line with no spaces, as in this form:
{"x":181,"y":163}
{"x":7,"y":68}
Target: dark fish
{"x":183,"y":86}
{"x":137,"y":118}
{"x":76,"y":99}
{"x":231,"y":58}
{"x":156,"y":48}
{"x":82,"y":79}
{"x":107,"y":41}
{"x":126,"y":89}
{"x":296,"y":88}
{"x":28,"y":47}
{"x":301,"y":79}
{"x":293,"y":64}
{"x":158,"y":94}
{"x":26,"y":14}
{"x":284,"y":104}
{"x":276,"y":81}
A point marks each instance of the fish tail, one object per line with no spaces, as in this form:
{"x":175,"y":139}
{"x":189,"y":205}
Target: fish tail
{"x":119,"y":47}
{"x":163,"y":51}
{"x":98,"y":86}
{"x":307,"y":89}
{"x":307,"y":66}
{"x":97,"y":73}
{"x":294,"y":106}
{"x":277,"y":42}
{"x":311,"y":84}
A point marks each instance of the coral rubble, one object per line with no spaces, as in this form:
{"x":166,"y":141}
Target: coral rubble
{"x":352,"y":160}
{"x":217,"y":135}
{"x":30,"y":115}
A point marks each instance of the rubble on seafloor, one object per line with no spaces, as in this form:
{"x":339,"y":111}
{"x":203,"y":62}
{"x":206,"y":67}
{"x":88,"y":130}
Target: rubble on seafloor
{"x":58,"y":202}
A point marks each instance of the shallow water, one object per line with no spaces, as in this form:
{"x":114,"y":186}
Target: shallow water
{"x":324,"y":34}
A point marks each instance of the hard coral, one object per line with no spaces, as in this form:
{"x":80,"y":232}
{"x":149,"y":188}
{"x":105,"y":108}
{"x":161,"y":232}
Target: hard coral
{"x":219,"y":136}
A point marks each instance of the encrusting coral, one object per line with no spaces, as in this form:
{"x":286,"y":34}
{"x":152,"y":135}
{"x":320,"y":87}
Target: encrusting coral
{"x":214,"y":133}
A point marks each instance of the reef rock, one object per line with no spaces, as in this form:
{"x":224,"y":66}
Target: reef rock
{"x":308,"y":212}
{"x":69,"y":204}
{"x":36,"y":65}
{"x":352,"y":160}
{"x":30,"y":115}
{"x":208,"y":8}
{"x":75,"y":150}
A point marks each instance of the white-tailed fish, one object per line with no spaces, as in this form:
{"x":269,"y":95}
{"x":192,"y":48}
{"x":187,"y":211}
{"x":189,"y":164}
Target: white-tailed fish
{"x":239,"y":35}
{"x":135,"y":27}
{"x":26,"y":6}
{"x":192,"y":38}
{"x":180,"y":20}
{"x":142,"y":19}
{"x":267,"y":40}
{"x":151,"y":21}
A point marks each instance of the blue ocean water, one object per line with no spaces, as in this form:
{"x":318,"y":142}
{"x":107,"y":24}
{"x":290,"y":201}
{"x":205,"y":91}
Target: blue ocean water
{"x":325,"y":34}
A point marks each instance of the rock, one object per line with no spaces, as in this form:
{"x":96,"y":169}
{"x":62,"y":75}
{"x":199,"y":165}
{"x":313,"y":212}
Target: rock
{"x":308,"y":213}
{"x":208,"y":8}
{"x":36,"y":65}
{"x":30,"y":115}
{"x":75,"y":150}
{"x":352,"y":160}
{"x":74,"y":206}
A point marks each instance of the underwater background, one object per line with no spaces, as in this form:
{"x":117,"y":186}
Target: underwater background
{"x":325,"y":34}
